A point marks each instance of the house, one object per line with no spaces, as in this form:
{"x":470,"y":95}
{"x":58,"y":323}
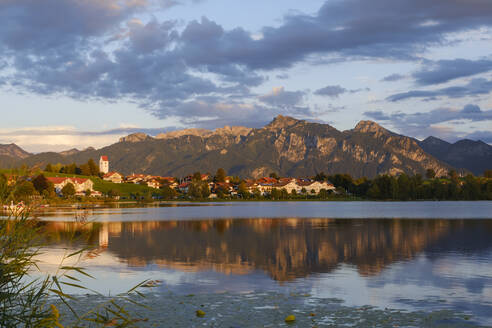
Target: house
{"x":113,"y":177}
{"x":153,"y":183}
{"x":223,"y":186}
{"x":184,"y":187}
{"x":288,"y":185}
{"x":104,"y":164}
{"x":314,"y":187}
{"x":80,"y":185}
{"x":135,"y":178}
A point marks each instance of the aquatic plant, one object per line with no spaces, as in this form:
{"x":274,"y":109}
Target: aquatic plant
{"x":26,"y":301}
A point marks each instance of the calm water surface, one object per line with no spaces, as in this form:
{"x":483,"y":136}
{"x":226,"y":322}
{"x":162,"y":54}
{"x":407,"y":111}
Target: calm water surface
{"x":411,"y":255}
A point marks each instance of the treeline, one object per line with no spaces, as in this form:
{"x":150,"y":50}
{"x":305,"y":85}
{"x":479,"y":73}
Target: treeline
{"x":416,"y":187}
{"x":18,"y":188}
{"x":88,"y":169}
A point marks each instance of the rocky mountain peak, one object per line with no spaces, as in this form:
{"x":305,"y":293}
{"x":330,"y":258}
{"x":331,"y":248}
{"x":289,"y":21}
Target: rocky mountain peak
{"x":369,"y":126}
{"x":69,"y":152}
{"x":136,"y":137}
{"x":233,"y":130}
{"x":184,"y":132}
{"x":281,"y":122}
{"x":433,"y":141}
{"x":12,"y":150}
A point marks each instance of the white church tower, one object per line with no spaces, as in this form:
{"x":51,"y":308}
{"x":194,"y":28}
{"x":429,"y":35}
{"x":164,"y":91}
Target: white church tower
{"x":104,"y":164}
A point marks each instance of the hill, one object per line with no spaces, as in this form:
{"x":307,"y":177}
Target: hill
{"x":287,"y":146}
{"x":13,"y":151}
{"x":475,"y":156}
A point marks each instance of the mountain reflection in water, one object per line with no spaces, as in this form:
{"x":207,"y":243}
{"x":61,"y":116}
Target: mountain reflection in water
{"x":285,"y":249}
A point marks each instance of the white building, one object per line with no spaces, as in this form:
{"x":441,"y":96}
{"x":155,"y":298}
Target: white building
{"x":113,"y":177}
{"x":104,"y":164}
{"x":80,"y":185}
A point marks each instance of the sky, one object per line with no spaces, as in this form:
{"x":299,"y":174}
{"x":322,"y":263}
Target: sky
{"x":80,"y":73}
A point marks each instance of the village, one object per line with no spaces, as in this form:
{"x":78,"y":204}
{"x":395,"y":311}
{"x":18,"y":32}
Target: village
{"x":217,"y":187}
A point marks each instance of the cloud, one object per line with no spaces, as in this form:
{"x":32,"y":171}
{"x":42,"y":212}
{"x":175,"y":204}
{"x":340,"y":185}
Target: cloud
{"x":485,"y":136}
{"x":477,"y":86}
{"x":334,"y":91}
{"x":107,"y":51}
{"x":441,"y":71}
{"x":281,"y":98}
{"x":423,"y":124}
{"x":59,"y":138}
{"x":393,"y":77}
{"x":469,"y":112}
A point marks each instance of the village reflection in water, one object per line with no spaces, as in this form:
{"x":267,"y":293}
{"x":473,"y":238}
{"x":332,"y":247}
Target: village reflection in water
{"x":285,"y":249}
{"x":411,"y":264}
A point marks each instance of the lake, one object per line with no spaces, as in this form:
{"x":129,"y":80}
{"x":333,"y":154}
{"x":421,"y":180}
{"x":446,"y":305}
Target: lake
{"x":397,"y":260}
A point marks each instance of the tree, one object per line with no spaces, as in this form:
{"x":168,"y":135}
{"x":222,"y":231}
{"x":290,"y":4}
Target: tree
{"x":113,"y":193}
{"x":275,"y":194}
{"x":4,"y":188}
{"x":199,"y":189}
{"x":320,"y":177}
{"x":323,"y":194}
{"x":220,"y":176}
{"x":453,"y":175}
{"x":243,"y":191}
{"x":488,"y":174}
{"x":167,"y":192}
{"x":41,"y":183}
{"x":197,"y":176}
{"x":93,"y":168}
{"x":430,"y":174}
{"x":374,"y":191}
{"x":49,"y":168}
{"x":23,"y":191}
{"x":85,"y":170}
{"x":68,"y":190}
{"x":88,"y":193}
{"x":274,"y":175}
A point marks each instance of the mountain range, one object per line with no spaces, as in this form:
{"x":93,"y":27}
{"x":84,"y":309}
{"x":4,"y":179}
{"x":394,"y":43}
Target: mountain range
{"x":287,"y":146}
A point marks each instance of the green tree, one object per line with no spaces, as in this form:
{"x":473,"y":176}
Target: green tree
{"x":275,"y":193}
{"x":488,"y":174}
{"x":374,"y":191}
{"x":113,"y":193}
{"x":220,"y":176}
{"x":323,"y":194}
{"x":453,"y":175}
{"x":321,"y":177}
{"x":274,"y":175}
{"x":404,"y":187}
{"x":68,"y":190}
{"x":199,"y":189}
{"x":49,"y":168}
{"x":23,"y":191}
{"x":85,"y":170}
{"x":167,"y":192}
{"x":41,"y":183}
{"x":243,"y":191}
{"x":93,"y":168}
{"x":257,"y":193}
{"x":5,"y":189}
{"x":197,"y":176}
{"x":430,"y":174}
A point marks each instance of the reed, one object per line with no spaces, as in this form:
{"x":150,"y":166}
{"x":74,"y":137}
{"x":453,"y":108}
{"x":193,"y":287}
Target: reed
{"x":26,"y":301}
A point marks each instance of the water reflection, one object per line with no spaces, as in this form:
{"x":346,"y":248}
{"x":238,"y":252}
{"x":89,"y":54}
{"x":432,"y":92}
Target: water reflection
{"x":284,"y":248}
{"x":398,"y":263}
